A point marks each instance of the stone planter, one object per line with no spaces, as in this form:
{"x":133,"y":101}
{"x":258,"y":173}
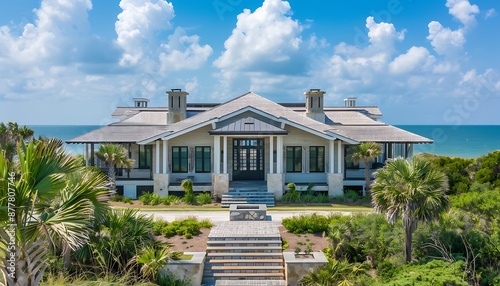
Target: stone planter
{"x":296,"y":267}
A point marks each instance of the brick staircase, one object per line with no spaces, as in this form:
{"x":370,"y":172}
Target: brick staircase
{"x":244,"y":253}
{"x":247,"y":196}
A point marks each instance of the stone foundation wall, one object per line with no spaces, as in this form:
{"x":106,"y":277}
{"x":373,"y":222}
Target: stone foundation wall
{"x":335,"y":184}
{"x":297,"y":268}
{"x":275,"y":185}
{"x":161,"y":182}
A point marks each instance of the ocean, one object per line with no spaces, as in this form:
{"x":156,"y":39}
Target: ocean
{"x":468,"y":141}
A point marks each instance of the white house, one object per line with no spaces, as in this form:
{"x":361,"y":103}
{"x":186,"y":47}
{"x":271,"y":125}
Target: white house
{"x":248,"y":138}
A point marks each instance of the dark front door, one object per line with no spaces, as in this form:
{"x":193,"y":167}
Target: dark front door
{"x":248,"y":159}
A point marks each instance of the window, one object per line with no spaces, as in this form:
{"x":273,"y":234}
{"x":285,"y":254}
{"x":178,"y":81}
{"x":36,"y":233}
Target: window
{"x":145,"y":156}
{"x":179,"y":159}
{"x":316,"y":159}
{"x":202,"y":154}
{"x":294,"y":159}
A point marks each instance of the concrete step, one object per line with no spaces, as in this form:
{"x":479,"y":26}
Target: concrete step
{"x":259,"y":260}
{"x":249,"y":241}
{"x":255,"y":239}
{"x":243,"y":248}
{"x":250,"y":283}
{"x":245,"y":194}
{"x":243,"y":254}
{"x":264,"y":267}
{"x":263,"y":274}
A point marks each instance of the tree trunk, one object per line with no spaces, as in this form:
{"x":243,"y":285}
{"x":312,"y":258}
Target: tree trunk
{"x":408,"y":235}
{"x":112,"y":179}
{"x":66,"y":255}
{"x":367,"y":178}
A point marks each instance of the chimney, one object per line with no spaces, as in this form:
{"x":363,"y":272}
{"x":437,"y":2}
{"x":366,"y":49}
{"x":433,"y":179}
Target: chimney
{"x":177,"y":102}
{"x":140,"y":102}
{"x":314,"y":104}
{"x":350,"y":102}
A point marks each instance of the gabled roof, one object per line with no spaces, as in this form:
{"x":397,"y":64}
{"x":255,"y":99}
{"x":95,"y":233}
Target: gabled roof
{"x":250,"y":102}
{"x":119,"y":134}
{"x":248,"y":126}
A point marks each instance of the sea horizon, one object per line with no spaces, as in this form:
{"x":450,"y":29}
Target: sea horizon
{"x":467,"y":141}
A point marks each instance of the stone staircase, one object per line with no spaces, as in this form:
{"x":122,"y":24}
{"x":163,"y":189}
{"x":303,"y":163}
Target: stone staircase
{"x":247,"y":196}
{"x":244,"y":253}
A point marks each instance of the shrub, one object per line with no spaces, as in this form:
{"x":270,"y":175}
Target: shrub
{"x":187,"y":227}
{"x":310,"y":223}
{"x":292,"y":196}
{"x":128,"y":200}
{"x":435,"y":272}
{"x":204,"y":199}
{"x":189,"y":197}
{"x":146,"y":198}
{"x":322,"y":198}
{"x":351,"y":195}
{"x":120,"y":198}
{"x":156,"y":200}
{"x":171,"y":200}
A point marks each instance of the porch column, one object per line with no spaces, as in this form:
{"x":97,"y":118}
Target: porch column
{"x":92,"y":153}
{"x":339,"y":157}
{"x":165,"y":157}
{"x":87,"y":154}
{"x":279,"y":153}
{"x":217,"y":154}
{"x":331,"y":161}
{"x":224,"y":159}
{"x":157,"y":149}
{"x":271,"y":154}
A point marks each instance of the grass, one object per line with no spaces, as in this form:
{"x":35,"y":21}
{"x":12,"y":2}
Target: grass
{"x":186,"y":257}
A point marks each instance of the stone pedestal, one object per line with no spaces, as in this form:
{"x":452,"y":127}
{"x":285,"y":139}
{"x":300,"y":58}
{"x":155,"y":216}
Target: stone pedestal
{"x":297,"y":268}
{"x":335,"y":184}
{"x":275,"y":185}
{"x":220,"y":184}
{"x":191,"y":270}
{"x":161,"y":183}
{"x":247,"y":212}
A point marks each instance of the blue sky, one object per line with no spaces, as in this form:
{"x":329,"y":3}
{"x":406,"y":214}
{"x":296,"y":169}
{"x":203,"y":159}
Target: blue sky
{"x":421,"y":62}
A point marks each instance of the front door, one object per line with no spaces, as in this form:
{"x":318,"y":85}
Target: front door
{"x":248,"y":159}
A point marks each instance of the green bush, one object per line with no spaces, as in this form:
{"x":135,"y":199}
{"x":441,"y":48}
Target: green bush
{"x":156,"y":199}
{"x":435,"y":272}
{"x":351,"y":195}
{"x":310,"y":223}
{"x":204,"y":199}
{"x":321,"y":198}
{"x":120,"y":198}
{"x":292,"y":196}
{"x":146,"y":198}
{"x":187,"y":227}
{"x":171,"y":200}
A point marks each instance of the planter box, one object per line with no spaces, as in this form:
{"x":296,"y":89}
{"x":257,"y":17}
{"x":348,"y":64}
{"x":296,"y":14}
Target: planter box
{"x":239,"y":212}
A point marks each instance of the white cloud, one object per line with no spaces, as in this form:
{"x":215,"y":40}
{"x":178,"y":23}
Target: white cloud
{"x":444,"y":40}
{"x":266,"y":36}
{"x":136,"y":26}
{"x":183,"y":52}
{"x":416,"y":59}
{"x":382,"y":35}
{"x":490,"y":13}
{"x":463,"y":11}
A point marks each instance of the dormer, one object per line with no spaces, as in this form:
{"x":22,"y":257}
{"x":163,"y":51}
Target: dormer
{"x":314,"y":104}
{"x":177,"y":104}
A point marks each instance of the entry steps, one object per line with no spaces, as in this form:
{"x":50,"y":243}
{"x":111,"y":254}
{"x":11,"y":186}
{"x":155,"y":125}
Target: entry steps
{"x":248,"y":253}
{"x":247,"y":196}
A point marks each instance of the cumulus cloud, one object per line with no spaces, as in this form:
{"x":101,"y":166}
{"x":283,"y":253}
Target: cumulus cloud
{"x":266,"y":37}
{"x":136,"y":26}
{"x":463,"y":11}
{"x":183,"y":52}
{"x":416,"y":59}
{"x":444,"y":40}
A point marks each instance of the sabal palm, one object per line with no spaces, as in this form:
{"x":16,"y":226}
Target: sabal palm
{"x":366,"y":152}
{"x":10,"y":135}
{"x":153,"y":258}
{"x":411,"y":189}
{"x":115,"y":156}
{"x":55,"y":200}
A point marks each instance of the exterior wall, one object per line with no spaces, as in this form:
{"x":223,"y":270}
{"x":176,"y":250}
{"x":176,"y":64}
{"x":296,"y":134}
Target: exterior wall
{"x":191,"y":270}
{"x":130,"y":186}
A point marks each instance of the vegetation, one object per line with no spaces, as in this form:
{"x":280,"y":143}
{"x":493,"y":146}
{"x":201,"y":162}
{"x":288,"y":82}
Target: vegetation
{"x":115,"y":156}
{"x":187,"y":227}
{"x":310,"y":223}
{"x":365,"y":152}
{"x":411,"y":189}
{"x":120,"y":198}
{"x":10,"y":134}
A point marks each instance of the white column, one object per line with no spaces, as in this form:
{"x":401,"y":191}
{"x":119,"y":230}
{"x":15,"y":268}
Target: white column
{"x":331,"y":162}
{"x":224,"y":153}
{"x":87,"y":160}
{"x":271,"y":154}
{"x":157,"y":148}
{"x":339,"y":157}
{"x":217,"y":154}
{"x":165,"y":157}
{"x":279,"y":153}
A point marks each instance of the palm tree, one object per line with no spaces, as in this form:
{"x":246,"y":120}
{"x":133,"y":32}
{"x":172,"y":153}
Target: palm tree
{"x":366,"y":152}
{"x":47,"y":210}
{"x":153,"y":258}
{"x":412,"y":189}
{"x":115,"y":156}
{"x":10,"y":135}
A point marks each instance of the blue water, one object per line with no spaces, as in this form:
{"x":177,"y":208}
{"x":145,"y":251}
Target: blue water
{"x":64,"y":132}
{"x":467,"y":141}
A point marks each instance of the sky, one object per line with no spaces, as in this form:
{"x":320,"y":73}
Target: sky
{"x":65,"y":62}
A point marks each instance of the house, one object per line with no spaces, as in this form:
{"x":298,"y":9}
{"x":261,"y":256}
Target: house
{"x":248,"y":138}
